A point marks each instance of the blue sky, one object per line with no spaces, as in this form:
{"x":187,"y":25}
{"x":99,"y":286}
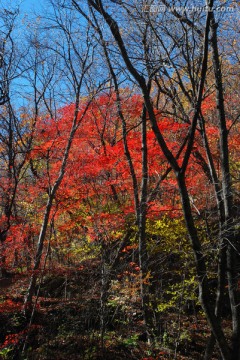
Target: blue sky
{"x":28,"y":6}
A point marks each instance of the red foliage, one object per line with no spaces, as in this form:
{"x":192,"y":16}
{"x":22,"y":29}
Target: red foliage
{"x":9,"y":306}
{"x":96,"y":197}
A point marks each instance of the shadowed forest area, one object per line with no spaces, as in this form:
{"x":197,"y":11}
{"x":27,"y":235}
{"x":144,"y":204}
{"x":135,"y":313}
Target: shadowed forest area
{"x":120,"y":180}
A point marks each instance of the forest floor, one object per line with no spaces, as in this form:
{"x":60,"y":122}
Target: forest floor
{"x":67,"y":322}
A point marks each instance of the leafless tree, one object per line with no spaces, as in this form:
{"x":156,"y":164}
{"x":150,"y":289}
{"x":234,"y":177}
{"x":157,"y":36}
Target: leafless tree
{"x":174,"y":60}
{"x":72,"y":49}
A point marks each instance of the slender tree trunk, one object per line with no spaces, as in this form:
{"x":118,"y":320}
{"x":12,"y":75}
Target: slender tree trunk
{"x":228,"y":229}
{"x":52,"y":193}
{"x":143,"y":253}
{"x":221,"y":273}
{"x":212,"y":319}
{"x":38,"y":257}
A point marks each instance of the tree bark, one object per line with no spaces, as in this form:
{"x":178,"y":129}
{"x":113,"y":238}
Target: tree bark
{"x":227,"y":195}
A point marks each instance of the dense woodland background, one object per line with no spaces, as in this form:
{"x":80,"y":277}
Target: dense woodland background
{"x":120,"y":180}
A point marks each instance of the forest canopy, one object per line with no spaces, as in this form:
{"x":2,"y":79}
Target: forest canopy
{"x":119,"y":192}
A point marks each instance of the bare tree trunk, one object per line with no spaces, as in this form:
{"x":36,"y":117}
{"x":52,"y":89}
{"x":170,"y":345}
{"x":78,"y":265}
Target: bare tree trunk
{"x":38,"y":256}
{"x":222,"y":268}
{"x":212,"y":319}
{"x":143,"y":253}
{"x":52,"y":192}
{"x":228,"y":228}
